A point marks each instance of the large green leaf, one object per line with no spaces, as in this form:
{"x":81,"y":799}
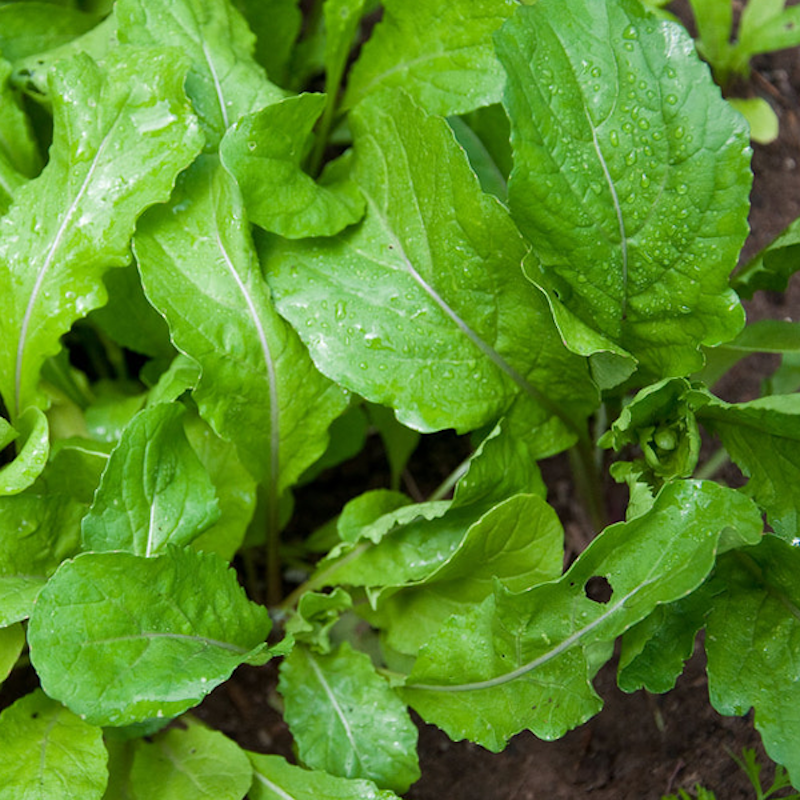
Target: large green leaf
{"x":38,"y":532}
{"x":258,"y":389}
{"x":224,"y":81}
{"x":630,"y":177}
{"x":154,"y":490}
{"x":345,"y":718}
{"x":116,"y":150}
{"x":437,"y":50}
{"x":526,"y":661}
{"x":189,"y":762}
{"x":264,"y":152}
{"x":763,"y":439}
{"x":753,"y":644}
{"x":49,"y":753}
{"x":433,"y":268}
{"x":120,"y":638}
{"x":275,"y":779}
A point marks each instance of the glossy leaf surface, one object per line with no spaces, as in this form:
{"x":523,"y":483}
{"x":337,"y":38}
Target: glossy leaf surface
{"x":122,"y":639}
{"x":115,"y":152}
{"x":630,"y":172}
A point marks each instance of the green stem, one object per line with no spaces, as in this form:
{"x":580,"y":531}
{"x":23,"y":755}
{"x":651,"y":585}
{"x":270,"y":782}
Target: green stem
{"x":443,"y":489}
{"x":718,"y":461}
{"x":587,"y":477}
{"x":273,"y":574}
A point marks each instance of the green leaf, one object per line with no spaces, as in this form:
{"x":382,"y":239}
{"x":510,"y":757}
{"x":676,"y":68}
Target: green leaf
{"x":48,"y":753}
{"x":224,"y":81}
{"x":399,"y":442}
{"x":30,"y":28}
{"x":519,"y":542}
{"x":771,"y":269}
{"x":752,"y":637}
{"x":12,"y":640}
{"x":761,"y":119}
{"x":234,"y":487}
{"x":189,"y":762}
{"x":154,"y":491}
{"x":18,"y":145}
{"x":75,"y":468}
{"x":438,"y":51}
{"x":526,"y":661}
{"x":31,"y":457}
{"x":630,"y":172}
{"x":276,"y":779}
{"x":276,"y":24}
{"x":39,"y":532}
{"x":122,"y":639}
{"x":258,"y":387}
{"x":129,"y":319}
{"x":434,"y":267}
{"x":341,"y":24}
{"x":264,"y":152}
{"x":315,"y":616}
{"x":74,"y":221}
{"x":762,"y":438}
{"x":346,"y":719}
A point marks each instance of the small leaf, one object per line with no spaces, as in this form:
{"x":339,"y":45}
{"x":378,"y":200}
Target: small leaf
{"x":31,"y":457}
{"x":39,"y":532}
{"x":264,"y":151}
{"x":440,"y":52}
{"x":346,"y":719}
{"x":276,"y":779}
{"x":12,"y":640}
{"x":122,"y":639}
{"x":189,"y":762}
{"x":48,"y":753}
{"x":771,"y":269}
{"x":18,"y":146}
{"x":154,"y":491}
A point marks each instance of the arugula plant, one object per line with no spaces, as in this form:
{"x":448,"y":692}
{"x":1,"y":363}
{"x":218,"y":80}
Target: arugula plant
{"x":517,"y":222}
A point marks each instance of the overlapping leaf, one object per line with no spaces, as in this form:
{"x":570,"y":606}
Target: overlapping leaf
{"x":440,"y":52}
{"x":423,"y":306}
{"x":258,"y":387}
{"x":224,"y":80}
{"x":631,"y":177}
{"x":346,"y":719}
{"x":116,"y":150}
{"x":154,"y":490}
{"x":49,"y":753}
{"x":121,"y":639}
{"x":526,"y":660}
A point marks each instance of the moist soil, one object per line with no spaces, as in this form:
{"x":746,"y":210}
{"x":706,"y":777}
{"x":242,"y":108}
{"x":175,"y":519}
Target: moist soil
{"x":641,"y":745}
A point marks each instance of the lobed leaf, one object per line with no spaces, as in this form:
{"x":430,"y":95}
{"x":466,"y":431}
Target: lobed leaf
{"x":49,"y":753}
{"x":115,"y":152}
{"x":526,"y":661}
{"x":120,"y":638}
{"x":630,"y":177}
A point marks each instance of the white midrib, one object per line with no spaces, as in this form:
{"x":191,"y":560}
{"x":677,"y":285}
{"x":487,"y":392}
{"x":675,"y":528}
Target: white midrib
{"x":560,"y":648}
{"x":151,"y":531}
{"x":178,"y":636}
{"x":274,"y":413}
{"x":217,"y":86}
{"x":618,"y":209}
{"x":42,"y":274}
{"x":270,"y":785}
{"x":43,"y":771}
{"x":336,"y":707}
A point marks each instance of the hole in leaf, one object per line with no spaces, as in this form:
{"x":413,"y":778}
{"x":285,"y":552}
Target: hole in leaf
{"x":598,"y":589}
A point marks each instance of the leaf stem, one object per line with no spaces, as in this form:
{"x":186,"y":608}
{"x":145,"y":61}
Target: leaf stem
{"x":715,"y":463}
{"x":587,"y":478}
{"x":443,"y":489}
